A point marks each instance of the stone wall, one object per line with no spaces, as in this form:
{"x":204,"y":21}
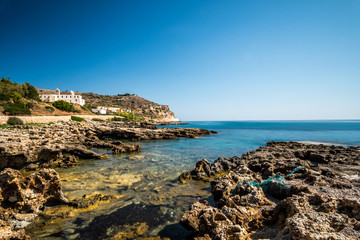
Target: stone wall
{"x":48,"y":119}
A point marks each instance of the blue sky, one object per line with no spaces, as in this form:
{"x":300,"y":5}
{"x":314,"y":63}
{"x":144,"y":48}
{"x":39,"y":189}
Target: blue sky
{"x":207,"y":60}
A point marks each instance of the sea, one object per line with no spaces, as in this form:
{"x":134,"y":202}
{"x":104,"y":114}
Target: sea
{"x":149,"y":200}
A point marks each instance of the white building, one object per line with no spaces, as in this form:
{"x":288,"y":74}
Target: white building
{"x":100,"y":110}
{"x":106,"y":110}
{"x":71,"y":98}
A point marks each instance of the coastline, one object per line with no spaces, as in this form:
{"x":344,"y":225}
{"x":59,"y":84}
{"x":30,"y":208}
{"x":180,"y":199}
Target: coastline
{"x":111,"y":176}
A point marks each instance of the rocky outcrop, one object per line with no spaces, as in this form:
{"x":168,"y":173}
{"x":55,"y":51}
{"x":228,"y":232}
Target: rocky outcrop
{"x":204,"y":170}
{"x":136,"y":134}
{"x":61,"y":144}
{"x":22,"y":199}
{"x":280,"y":191}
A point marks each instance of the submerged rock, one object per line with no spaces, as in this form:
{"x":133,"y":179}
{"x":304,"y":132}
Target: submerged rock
{"x":130,"y":222}
{"x":281,"y":191}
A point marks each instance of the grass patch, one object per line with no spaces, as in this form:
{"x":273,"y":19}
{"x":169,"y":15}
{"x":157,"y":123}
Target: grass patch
{"x":77,"y":119}
{"x":98,"y":120}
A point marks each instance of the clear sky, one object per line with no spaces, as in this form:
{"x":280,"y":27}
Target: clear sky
{"x":207,"y":60}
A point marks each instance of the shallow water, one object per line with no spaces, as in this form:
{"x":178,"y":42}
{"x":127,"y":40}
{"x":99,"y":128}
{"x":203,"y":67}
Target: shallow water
{"x":150,"y":201}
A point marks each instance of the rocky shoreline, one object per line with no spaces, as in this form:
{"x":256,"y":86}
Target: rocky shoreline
{"x":62,"y":144}
{"x":285,"y":190}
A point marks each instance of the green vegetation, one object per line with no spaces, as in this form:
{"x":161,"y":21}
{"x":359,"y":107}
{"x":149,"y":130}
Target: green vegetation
{"x":64,"y":106}
{"x":12,"y":95}
{"x":16,"y":109}
{"x":116,"y":119}
{"x":128,"y":116}
{"x":29,"y":105}
{"x":3,"y":126}
{"x":77,"y":119}
{"x":98,"y":120}
{"x":86,"y":108}
{"x":15,"y":121}
{"x":51,"y":109}
{"x":8,"y":89}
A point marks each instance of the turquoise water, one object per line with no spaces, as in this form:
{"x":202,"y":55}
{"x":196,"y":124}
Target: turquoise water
{"x":149,"y":178}
{"x":236,"y":137}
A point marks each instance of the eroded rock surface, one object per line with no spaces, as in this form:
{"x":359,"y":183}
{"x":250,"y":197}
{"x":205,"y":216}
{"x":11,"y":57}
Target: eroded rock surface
{"x":260,"y":198}
{"x":22,"y":199}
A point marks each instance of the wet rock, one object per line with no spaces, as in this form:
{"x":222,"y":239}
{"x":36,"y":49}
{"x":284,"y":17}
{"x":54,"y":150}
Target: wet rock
{"x":134,"y":217}
{"x":90,"y":200}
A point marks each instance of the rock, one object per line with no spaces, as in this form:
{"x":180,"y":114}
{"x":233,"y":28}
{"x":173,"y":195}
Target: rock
{"x":22,"y":198}
{"x":204,"y":170}
{"x":285,"y":190}
{"x":7,"y":232}
{"x":62,"y":144}
{"x":13,"y":157}
{"x":137,"y":134}
{"x":29,"y":194}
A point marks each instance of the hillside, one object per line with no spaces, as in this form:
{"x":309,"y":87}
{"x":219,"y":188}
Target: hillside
{"x":140,"y":106}
{"x":23,"y":99}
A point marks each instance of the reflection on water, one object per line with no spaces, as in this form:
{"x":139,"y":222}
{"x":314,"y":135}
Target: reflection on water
{"x":150,"y":200}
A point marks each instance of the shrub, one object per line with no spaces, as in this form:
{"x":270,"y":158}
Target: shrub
{"x":77,"y":119}
{"x":29,"y":105}
{"x":98,"y":120}
{"x":3,"y":126}
{"x":16,"y":97}
{"x":63,"y":106}
{"x":15,"y":121}
{"x":51,"y":109}
{"x":129,"y":116}
{"x":16,"y":109}
{"x":77,"y":111}
{"x":5,"y":96}
{"x":117,"y":119}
